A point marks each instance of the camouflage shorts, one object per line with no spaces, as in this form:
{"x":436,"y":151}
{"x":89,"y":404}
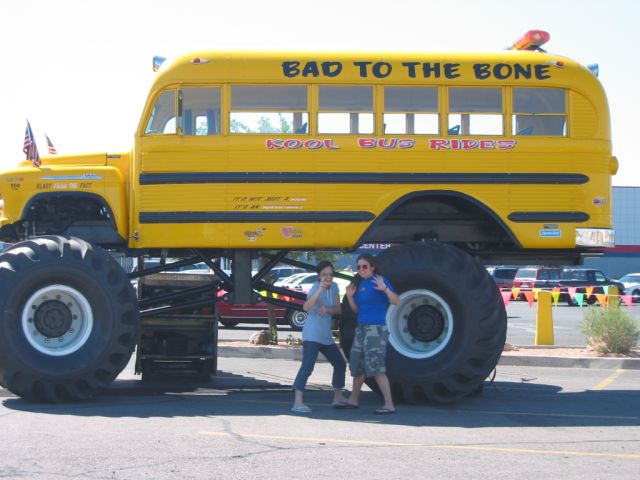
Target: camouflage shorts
{"x":368,"y":353}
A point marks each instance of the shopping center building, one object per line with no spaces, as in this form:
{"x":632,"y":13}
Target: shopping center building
{"x":625,"y":257}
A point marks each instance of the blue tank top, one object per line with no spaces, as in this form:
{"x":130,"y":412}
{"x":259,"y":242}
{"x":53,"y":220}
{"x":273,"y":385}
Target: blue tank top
{"x":372,"y":303}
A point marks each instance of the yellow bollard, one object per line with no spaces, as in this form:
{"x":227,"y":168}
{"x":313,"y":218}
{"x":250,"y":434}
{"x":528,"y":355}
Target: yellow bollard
{"x":544,"y":320}
{"x":614,"y":298}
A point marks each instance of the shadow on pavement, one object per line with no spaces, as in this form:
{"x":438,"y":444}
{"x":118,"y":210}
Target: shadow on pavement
{"x":502,"y":404}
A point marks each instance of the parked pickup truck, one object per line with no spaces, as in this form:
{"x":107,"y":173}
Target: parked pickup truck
{"x":582,"y":278}
{"x":528,"y":278}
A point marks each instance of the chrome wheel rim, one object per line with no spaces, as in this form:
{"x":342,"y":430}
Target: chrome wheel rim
{"x":421,"y":325}
{"x":57,"y":320}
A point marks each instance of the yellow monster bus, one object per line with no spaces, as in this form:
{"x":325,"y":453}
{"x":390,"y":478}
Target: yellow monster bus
{"x":458,"y":158}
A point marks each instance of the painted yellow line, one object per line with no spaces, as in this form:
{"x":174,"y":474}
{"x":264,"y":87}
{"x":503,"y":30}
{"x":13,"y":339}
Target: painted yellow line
{"x":375,"y":443}
{"x":605,"y":383}
{"x":548,"y":414}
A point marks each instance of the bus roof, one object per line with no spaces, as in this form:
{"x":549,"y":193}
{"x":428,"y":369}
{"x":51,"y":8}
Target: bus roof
{"x":437,"y":68}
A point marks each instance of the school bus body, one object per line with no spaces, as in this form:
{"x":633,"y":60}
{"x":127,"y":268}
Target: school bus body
{"x":269,"y":185}
{"x":318,"y":190}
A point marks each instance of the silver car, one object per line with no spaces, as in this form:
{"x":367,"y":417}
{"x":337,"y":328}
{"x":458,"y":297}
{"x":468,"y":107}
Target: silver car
{"x":631,"y":283}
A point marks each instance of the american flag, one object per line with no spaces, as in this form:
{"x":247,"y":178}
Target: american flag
{"x":30,"y":148}
{"x":50,"y":148}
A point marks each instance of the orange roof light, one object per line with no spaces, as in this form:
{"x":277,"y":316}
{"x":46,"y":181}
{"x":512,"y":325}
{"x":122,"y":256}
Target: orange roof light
{"x":532,"y":40}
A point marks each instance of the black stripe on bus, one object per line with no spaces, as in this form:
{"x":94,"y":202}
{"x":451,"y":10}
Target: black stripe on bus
{"x":361,"y":178}
{"x":535,"y":217}
{"x":242,"y":217}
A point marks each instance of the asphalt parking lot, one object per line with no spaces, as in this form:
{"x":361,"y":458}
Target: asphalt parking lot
{"x":560,"y":422}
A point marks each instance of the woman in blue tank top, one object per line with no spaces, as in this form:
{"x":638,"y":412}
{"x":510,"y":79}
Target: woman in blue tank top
{"x":370,"y":297}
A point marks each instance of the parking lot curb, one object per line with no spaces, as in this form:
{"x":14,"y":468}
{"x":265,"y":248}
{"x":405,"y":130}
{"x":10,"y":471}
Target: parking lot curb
{"x":282,"y":352}
{"x":294,"y":352}
{"x":570,"y":362}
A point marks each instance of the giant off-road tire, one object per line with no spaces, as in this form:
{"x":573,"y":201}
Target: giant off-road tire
{"x":449,"y":328}
{"x":68,"y":319}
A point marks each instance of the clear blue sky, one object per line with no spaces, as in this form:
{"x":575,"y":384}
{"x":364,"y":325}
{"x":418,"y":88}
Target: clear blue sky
{"x":80,"y":70}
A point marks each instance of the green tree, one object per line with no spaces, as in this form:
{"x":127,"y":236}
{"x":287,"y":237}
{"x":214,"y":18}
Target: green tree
{"x":264,"y":125}
{"x":285,"y":126}
{"x":239,"y":127}
{"x":316,"y":256}
{"x":329,"y":256}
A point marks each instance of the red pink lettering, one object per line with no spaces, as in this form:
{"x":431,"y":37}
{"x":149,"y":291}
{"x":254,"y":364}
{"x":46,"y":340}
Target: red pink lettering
{"x":313,"y":144}
{"x":439,"y":144}
{"x":297,"y":144}
{"x":293,"y":144}
{"x":456,"y":144}
{"x":367,"y":142}
{"x":386,"y":143}
{"x":506,"y":144}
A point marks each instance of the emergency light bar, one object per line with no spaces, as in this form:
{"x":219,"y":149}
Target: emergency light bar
{"x":532,"y":40}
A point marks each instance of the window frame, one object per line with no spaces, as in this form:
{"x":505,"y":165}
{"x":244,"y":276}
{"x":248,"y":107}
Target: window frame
{"x":513,"y":113}
{"x":468,"y":113}
{"x":175,"y":90}
{"x":374,"y":110}
{"x":180,"y":110}
{"x":383,"y":111}
{"x":308,"y":111}
{"x":508,"y":112}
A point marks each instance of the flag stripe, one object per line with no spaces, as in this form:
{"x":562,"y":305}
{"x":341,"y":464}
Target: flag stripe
{"x":30,"y":148}
{"x":50,"y":148}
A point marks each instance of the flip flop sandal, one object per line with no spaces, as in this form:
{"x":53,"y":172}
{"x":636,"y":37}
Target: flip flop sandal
{"x":384,"y":411}
{"x":302,"y":409}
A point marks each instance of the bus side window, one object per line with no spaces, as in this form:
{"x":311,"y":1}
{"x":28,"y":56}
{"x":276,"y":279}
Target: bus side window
{"x":269,"y":109}
{"x":201,"y":110}
{"x":347,"y":110}
{"x":411,"y":110}
{"x":539,"y":111}
{"x":477,"y":111}
{"x":163,"y":116}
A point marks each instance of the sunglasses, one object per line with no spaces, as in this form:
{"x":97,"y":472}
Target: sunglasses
{"x":362,"y":267}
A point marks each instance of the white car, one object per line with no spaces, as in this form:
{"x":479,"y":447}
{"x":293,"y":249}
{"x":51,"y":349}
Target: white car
{"x":631,"y":282}
{"x":292,"y":280}
{"x":304,"y":285}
